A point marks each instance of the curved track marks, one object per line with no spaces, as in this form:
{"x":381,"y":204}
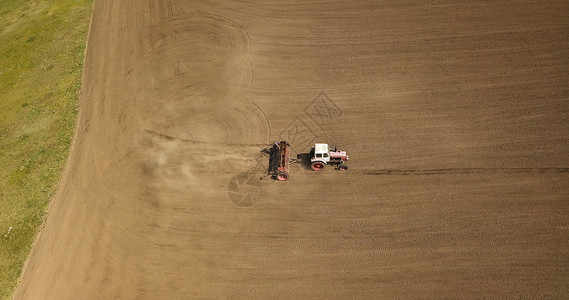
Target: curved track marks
{"x":164,"y":125}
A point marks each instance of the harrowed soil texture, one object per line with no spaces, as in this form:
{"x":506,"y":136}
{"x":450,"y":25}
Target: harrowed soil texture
{"x":455,"y":115}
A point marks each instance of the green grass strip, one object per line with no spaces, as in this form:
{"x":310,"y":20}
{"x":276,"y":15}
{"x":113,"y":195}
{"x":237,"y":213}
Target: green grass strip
{"x":42,"y":45}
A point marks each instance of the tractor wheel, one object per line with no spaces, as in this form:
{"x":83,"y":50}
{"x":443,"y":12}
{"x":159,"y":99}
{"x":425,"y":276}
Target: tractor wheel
{"x":317,"y":166}
{"x":343,"y":168}
{"x":282,"y":176}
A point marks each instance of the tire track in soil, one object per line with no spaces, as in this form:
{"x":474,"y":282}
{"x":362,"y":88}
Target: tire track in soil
{"x":453,"y":171}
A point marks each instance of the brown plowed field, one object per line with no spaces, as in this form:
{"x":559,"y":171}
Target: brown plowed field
{"x":455,"y":115}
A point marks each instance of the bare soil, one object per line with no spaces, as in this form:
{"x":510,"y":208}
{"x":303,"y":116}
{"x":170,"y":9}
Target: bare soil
{"x":454,"y":114}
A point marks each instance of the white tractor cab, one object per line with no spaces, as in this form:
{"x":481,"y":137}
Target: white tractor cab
{"x":322,"y":155}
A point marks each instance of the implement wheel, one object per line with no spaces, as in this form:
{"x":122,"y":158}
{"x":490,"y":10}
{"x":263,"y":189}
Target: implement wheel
{"x":317,"y":166}
{"x":282,"y":176}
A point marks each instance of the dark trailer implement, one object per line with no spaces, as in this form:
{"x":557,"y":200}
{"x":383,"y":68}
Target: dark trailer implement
{"x":279,"y":160}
